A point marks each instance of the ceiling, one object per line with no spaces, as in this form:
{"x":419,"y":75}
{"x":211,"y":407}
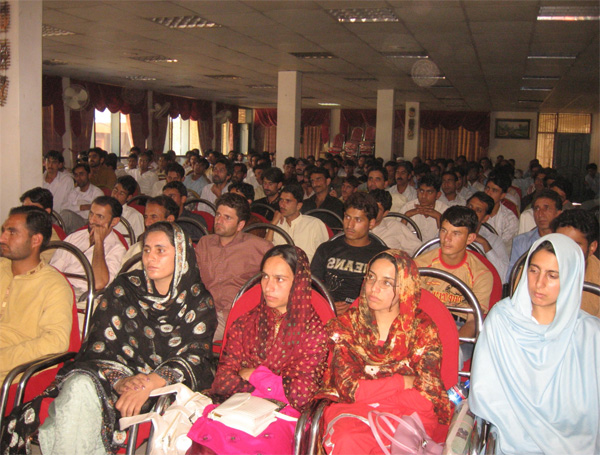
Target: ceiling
{"x":480,"y":46}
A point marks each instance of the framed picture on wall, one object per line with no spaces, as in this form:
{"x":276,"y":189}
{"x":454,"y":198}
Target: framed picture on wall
{"x":512,"y":128}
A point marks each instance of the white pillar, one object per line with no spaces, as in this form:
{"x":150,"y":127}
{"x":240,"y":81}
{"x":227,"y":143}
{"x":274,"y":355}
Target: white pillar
{"x":384,"y":136}
{"x":21,"y":116}
{"x":411,"y":130}
{"x":334,"y":124}
{"x":289,"y":98}
{"x":67,"y":139}
{"x":150,"y":106}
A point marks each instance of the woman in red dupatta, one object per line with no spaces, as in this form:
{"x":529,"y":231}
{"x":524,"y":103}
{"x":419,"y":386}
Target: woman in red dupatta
{"x":276,"y":351}
{"x":386,"y":356}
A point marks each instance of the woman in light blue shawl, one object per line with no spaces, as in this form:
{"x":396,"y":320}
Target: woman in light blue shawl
{"x":536,"y":367}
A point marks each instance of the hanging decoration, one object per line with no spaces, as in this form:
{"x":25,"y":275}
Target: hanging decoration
{"x":4,"y":50}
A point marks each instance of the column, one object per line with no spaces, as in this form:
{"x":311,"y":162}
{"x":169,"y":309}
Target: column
{"x":334,"y":124}
{"x":411,"y":130}
{"x":289,"y":99}
{"x":385,"y":124}
{"x":21,"y":116}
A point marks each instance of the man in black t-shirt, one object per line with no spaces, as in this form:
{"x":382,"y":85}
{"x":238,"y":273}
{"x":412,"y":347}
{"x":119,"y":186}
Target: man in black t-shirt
{"x":341,"y":263}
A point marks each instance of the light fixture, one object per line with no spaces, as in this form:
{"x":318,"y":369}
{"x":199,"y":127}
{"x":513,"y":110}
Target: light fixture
{"x":537,"y":89}
{"x":261,"y":86}
{"x":313,"y":55}
{"x":405,"y":54}
{"x":49,"y":30}
{"x":184,"y":22}
{"x":542,"y":78}
{"x":154,"y":59}
{"x":360,"y":79}
{"x":568,"y":13}
{"x":364,"y":15}
{"x":329,"y":104}
{"x":223,"y":77}
{"x":552,"y":57}
{"x":139,"y":77}
{"x":530,"y":101}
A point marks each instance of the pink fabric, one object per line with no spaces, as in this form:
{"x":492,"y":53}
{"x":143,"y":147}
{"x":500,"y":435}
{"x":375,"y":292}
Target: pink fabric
{"x":267,"y":384}
{"x":374,"y":390}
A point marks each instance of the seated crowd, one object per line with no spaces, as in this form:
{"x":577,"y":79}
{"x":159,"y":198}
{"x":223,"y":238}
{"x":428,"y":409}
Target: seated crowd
{"x":167,"y":269}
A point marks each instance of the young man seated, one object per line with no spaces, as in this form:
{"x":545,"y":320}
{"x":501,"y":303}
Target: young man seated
{"x":426,"y":210}
{"x":502,"y":219}
{"x":178,"y":192}
{"x":582,"y":226}
{"x":449,"y":187}
{"x":42,"y":198}
{"x":458,"y":229}
{"x":123,"y":192}
{"x":320,"y":182}
{"x":340,"y":264}
{"x":37,"y":301}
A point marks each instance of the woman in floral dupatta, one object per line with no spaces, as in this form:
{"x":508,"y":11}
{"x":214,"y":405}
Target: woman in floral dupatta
{"x":386,"y":356}
{"x":276,"y":351}
{"x":152,"y":327}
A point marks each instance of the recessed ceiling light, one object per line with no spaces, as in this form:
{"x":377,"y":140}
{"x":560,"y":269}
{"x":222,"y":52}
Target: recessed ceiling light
{"x":223,"y":77}
{"x":405,"y":54}
{"x":530,"y":101}
{"x":552,"y":56}
{"x":537,"y":89}
{"x":261,"y":86}
{"x":184,"y":22}
{"x":154,"y":59}
{"x":313,"y":55}
{"x":435,"y":78}
{"x":138,"y":77}
{"x":308,"y":97}
{"x":49,"y":30}
{"x":360,"y":79}
{"x":542,"y":78}
{"x":568,"y":13}
{"x":53,"y":62}
{"x":329,"y":104}
{"x":364,"y":15}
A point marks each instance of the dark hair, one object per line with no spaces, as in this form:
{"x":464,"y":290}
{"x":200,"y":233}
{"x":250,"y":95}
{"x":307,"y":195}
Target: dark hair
{"x":592,"y":166}
{"x":349,"y":162}
{"x":226,"y":163}
{"x":286,"y":252}
{"x":116,"y":208}
{"x":487,"y":200}
{"x":564,"y":184}
{"x":98,"y":151}
{"x":128,"y":183}
{"x":162,"y":226}
{"x":290,"y":160}
{"x":148,"y":154}
{"x":549,"y":194}
{"x":383,"y":197}
{"x":352,"y":180}
{"x":38,"y":221}
{"x":245,"y":188}
{"x":273,"y":175}
{"x":501,"y":179}
{"x":236,"y":202}
{"x":364,"y":202}
{"x":545,"y":245}
{"x":580,"y":219}
{"x":262,"y":166}
{"x":111,"y":160}
{"x":180,"y":187}
{"x":376,"y":168}
{"x":203,"y":161}
{"x":39,"y":195}
{"x":83,"y":165}
{"x":242,"y":166}
{"x":133,"y":155}
{"x":176,"y":167}
{"x":295,"y":190}
{"x":406,"y":165}
{"x":135,"y":148}
{"x":430,"y":180}
{"x":449,"y":173}
{"x":53,"y":154}
{"x":319,"y":170}
{"x":461,"y":216}
{"x":171,"y":208}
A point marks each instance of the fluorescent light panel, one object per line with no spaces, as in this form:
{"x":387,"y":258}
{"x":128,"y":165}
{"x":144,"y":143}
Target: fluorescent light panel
{"x":313,"y":55}
{"x":360,"y":79}
{"x":184,"y":22}
{"x":552,"y":57}
{"x":364,"y":15}
{"x":537,"y":89}
{"x":49,"y":30}
{"x":155,"y":59}
{"x":568,"y":13}
{"x":138,"y":77}
{"x":223,"y":77}
{"x":542,"y":78}
{"x":405,"y":54}
{"x":263,"y":86}
{"x":329,"y":104}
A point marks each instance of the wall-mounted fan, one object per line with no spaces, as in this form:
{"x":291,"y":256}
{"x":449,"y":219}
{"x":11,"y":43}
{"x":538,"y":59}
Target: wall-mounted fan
{"x":223,"y":116}
{"x":76,"y":97}
{"x":161,"y":110}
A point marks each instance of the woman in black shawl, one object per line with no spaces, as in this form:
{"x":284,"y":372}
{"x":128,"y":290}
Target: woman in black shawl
{"x":151,"y":328}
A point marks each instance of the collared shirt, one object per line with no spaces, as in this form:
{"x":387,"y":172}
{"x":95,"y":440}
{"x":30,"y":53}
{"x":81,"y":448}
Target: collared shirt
{"x":210,"y":196}
{"x":60,"y":187}
{"x":458,"y":200}
{"x":195,"y":185}
{"x":103,"y":177}
{"x":224,"y":269}
{"x":307,"y":232}
{"x":506,"y":224}
{"x":146,"y":180}
{"x":35,"y":314}
{"x":497,"y":255}
{"x":526,"y":221}
{"x":77,"y":198}
{"x":520,"y":245}
{"x":330,"y":203}
{"x":397,"y":235}
{"x":67,"y":263}
{"x":428,"y":225}
{"x":409,"y":193}
{"x":135,"y":219}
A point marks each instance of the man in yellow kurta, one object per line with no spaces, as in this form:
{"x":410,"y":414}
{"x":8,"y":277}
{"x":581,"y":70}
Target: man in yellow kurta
{"x":36,"y":301}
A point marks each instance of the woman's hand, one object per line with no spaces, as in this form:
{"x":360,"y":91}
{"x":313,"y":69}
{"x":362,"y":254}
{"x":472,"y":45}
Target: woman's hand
{"x":132,"y":399}
{"x":245,"y":373}
{"x":137,"y":382}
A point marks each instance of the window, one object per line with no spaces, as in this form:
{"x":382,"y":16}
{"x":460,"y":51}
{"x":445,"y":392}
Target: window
{"x":182,"y":135}
{"x":551,"y":124}
{"x":125,"y":134}
{"x":102,"y":130}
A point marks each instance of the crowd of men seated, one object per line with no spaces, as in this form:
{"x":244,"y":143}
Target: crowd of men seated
{"x":461,"y":203}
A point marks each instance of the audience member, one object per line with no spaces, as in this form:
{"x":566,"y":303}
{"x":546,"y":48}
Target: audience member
{"x":144,"y":175}
{"x":341,"y":263}
{"x":502,"y":219}
{"x":123,"y":192}
{"x":240,"y":171}
{"x":272,"y":181}
{"x":42,"y":198}
{"x":178,"y":192}
{"x":306,"y":231}
{"x":101,"y":175}
{"x":474,"y":174}
{"x":450,"y":195}
{"x":174,"y":172}
{"x":349,"y":187}
{"x":320,"y":182}
{"x":377,"y":180}
{"x":221,"y":175}
{"x":228,"y":258}
{"x":197,"y":180}
{"x":461,"y":179}
{"x":79,"y":200}
{"x":37,"y":301}
{"x":60,"y":184}
{"x":592,"y":181}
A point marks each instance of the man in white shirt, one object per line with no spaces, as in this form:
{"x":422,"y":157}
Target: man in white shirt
{"x":174,"y":172}
{"x":392,"y":231}
{"x":80,"y":199}
{"x":404,"y":179}
{"x":60,"y":184}
{"x":145,"y":176}
{"x":449,"y":195}
{"x":377,"y":179}
{"x":221,"y":176}
{"x":306,"y":231}
{"x":123,"y":192}
{"x":426,"y":210}
{"x":473,"y":173}
{"x":99,"y":243}
{"x":502,"y":219}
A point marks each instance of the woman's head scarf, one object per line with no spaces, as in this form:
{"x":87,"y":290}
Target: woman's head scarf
{"x":540,"y":383}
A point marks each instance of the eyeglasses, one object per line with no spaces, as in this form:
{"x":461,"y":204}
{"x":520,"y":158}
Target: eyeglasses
{"x":371,"y":280}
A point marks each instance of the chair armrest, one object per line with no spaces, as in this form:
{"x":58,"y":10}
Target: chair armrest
{"x":315,"y":425}
{"x":301,"y":430}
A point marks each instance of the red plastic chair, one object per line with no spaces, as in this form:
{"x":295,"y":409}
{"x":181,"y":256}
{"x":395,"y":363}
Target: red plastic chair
{"x":367,"y":145}
{"x":59,"y":231}
{"x":208,"y":217}
{"x":337,"y":145}
{"x":511,"y":206}
{"x":357,"y":134}
{"x":260,"y":217}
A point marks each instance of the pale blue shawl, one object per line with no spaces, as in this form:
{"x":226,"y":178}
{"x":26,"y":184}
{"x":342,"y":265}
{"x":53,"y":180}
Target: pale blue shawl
{"x":540,"y":384}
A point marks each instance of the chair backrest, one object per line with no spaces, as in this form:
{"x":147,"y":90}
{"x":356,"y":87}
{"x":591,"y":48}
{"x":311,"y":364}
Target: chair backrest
{"x":59,"y":231}
{"x":260,"y":217}
{"x":202,"y":201}
{"x":327,"y":217}
{"x":208,"y":217}
{"x":193,"y":222}
{"x":357,"y":134}
{"x":58,"y":219}
{"x":273,"y":227}
{"x":369,"y":134}
{"x":130,"y":237}
{"x":410,"y":221}
{"x":472,"y":247}
{"x":338,"y":140}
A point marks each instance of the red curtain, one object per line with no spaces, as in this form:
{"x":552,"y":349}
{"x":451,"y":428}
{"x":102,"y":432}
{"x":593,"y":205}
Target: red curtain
{"x":351,"y":118}
{"x":265,"y":117}
{"x":51,"y":140}
{"x":81,"y":135}
{"x":205,"y":134}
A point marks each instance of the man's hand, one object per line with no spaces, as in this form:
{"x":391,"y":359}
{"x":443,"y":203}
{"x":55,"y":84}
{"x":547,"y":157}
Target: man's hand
{"x":277,"y":217}
{"x":341,"y":307}
{"x":98,"y":234}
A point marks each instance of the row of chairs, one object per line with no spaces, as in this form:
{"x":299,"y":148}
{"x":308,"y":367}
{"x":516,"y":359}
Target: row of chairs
{"x":361,"y":141}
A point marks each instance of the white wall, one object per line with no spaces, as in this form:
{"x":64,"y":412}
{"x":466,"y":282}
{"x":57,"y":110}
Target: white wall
{"x":521,"y":150}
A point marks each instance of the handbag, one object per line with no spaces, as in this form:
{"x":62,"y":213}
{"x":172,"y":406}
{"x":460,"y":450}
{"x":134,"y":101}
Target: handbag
{"x":409,"y":437}
{"x":171,"y":428}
